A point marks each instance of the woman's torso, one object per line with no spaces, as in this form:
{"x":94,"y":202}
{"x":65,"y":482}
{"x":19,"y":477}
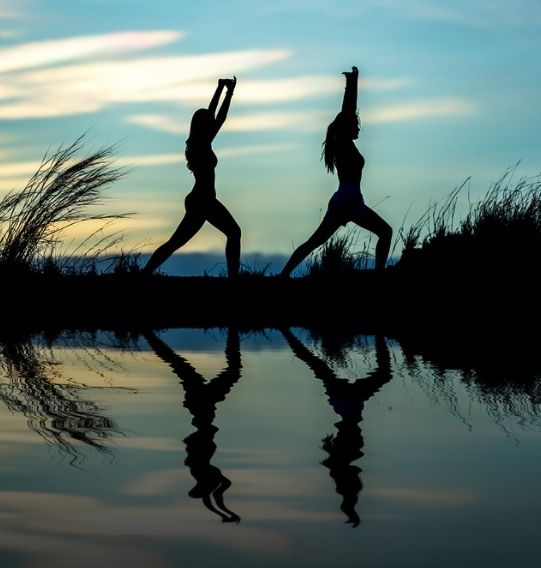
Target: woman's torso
{"x":347,"y":199}
{"x":349,"y":166}
{"x":203,"y":162}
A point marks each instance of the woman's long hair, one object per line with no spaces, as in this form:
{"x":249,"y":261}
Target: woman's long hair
{"x":338,"y":132}
{"x":199,"y":129}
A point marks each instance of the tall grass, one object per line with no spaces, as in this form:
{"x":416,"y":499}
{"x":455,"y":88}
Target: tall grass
{"x":58,"y":196}
{"x":501,"y":230}
{"x":339,"y":255}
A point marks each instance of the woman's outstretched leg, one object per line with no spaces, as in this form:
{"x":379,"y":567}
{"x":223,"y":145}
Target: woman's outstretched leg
{"x":220,"y":217}
{"x":371,"y":221}
{"x":324,"y":232}
{"x":189,"y":225}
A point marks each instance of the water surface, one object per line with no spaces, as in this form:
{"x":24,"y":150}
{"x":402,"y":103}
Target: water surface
{"x":190,"y":447}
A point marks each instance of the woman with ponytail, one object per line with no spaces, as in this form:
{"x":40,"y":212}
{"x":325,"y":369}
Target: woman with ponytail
{"x":347,"y":204}
{"x":201,"y":203}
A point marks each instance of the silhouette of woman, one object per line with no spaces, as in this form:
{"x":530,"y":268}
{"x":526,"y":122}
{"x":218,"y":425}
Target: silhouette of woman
{"x":201,"y":203}
{"x":200,"y":399}
{"x":347,"y":400}
{"x":347,"y":203}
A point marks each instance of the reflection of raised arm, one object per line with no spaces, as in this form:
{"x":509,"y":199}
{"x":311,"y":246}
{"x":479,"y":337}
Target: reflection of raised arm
{"x":230,"y":84}
{"x":382,"y":373}
{"x":182,"y":369}
{"x":318,"y":366}
{"x":220,"y":386}
{"x":349,"y":104}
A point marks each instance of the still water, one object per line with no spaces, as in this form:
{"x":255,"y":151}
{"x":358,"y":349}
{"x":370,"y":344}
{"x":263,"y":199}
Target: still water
{"x":191,"y":447}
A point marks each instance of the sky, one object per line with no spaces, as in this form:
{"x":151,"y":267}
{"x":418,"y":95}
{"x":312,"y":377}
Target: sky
{"x":448,"y":89}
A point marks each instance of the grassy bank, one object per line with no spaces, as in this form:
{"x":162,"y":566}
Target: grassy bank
{"x":482,"y":266}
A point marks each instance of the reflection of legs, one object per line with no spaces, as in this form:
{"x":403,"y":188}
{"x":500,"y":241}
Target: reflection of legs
{"x":324,"y":232}
{"x":371,"y":221}
{"x":218,"y":494}
{"x":190,"y":224}
{"x":220,"y":217}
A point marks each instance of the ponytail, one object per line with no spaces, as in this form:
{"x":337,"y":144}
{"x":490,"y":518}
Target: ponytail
{"x":329,"y":147}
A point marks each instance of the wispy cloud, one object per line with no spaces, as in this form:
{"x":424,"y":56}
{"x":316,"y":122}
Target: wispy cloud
{"x":316,"y":120}
{"x":91,"y":86}
{"x":41,"y":53}
{"x":246,"y":122}
{"x":150,"y":160}
{"x":16,"y":169}
{"x":86,"y":74}
{"x":16,"y":173}
{"x":11,"y":9}
{"x":413,"y":110}
{"x":267,"y":92}
{"x":51,"y":527}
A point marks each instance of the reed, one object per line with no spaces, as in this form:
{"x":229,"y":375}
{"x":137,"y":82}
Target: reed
{"x":500,"y":231}
{"x":61,"y":194}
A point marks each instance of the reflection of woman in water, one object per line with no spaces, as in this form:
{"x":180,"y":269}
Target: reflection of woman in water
{"x":347,"y":203}
{"x":347,"y":400}
{"x":201,"y":203}
{"x":200,"y":399}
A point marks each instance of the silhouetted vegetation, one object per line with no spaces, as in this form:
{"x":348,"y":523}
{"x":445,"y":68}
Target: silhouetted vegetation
{"x":500,"y":235}
{"x":338,"y":256}
{"x":58,"y":196}
{"x":502,"y":231}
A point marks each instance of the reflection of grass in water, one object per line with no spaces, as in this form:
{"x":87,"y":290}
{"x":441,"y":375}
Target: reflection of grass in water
{"x":509,"y":393}
{"x":57,"y":197}
{"x":55,"y":411}
{"x":348,"y":355}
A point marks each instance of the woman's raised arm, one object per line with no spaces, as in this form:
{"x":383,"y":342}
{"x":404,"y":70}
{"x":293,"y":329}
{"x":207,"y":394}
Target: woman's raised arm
{"x":222,"y":113}
{"x":216,"y":97}
{"x":349,"y":104}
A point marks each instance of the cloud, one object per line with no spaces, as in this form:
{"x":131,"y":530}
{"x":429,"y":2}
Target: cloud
{"x":428,"y":497}
{"x":57,"y":517}
{"x":85,"y":74}
{"x":15,"y":175}
{"x":11,"y":9}
{"x":85,"y":87}
{"x":151,"y":160}
{"x":17,"y":169}
{"x":40,"y":53}
{"x":419,"y":109}
{"x":251,"y":149}
{"x":162,"y":122}
{"x":246,"y":122}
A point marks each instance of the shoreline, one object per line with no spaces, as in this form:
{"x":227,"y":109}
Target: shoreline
{"x":388,"y":300}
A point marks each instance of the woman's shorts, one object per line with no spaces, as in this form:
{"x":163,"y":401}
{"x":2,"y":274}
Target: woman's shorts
{"x":345,"y":206}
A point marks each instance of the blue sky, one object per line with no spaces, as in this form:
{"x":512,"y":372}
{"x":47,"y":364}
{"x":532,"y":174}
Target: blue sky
{"x":449,"y":89}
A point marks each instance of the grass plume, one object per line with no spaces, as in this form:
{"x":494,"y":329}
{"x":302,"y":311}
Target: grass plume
{"x":58,"y":196}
